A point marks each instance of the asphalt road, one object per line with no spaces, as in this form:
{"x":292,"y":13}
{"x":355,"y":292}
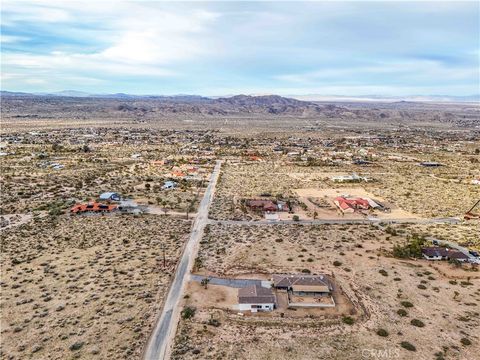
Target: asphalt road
{"x":339,"y":221}
{"x":160,"y":341}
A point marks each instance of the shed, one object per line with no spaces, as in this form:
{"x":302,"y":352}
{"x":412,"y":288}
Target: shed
{"x":112,"y":196}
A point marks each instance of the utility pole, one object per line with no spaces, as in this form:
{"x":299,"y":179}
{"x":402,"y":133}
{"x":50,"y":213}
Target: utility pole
{"x":164,"y":260}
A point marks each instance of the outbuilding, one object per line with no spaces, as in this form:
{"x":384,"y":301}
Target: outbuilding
{"x":256,"y":298}
{"x":110,"y":196}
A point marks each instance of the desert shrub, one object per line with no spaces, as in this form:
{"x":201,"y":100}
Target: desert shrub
{"x":337,"y":263}
{"x":383,"y":272}
{"x":418,"y":323}
{"x":77,"y":346}
{"x":407,"y":304}
{"x":306,"y":271}
{"x":188,"y":312}
{"x":214,"y":322}
{"x":408,"y":346}
{"x":412,"y":249}
{"x":382,"y":332}
{"x":295,"y":218}
{"x":465,"y":341}
{"x":402,"y":312}
{"x":348,"y":320}
{"x":421,"y":286}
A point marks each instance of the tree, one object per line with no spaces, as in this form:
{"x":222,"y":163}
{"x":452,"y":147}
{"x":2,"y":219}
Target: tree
{"x":205,"y":282}
{"x":315,"y":215}
{"x":188,"y":312}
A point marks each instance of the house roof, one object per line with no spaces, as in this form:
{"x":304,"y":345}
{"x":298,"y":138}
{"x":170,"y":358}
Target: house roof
{"x":265,"y":204}
{"x":435,"y":251}
{"x":107,"y":195}
{"x":95,"y":207}
{"x":256,"y":294}
{"x":457,"y":255}
{"x":345,"y":203}
{"x":311,"y":288}
{"x":282,"y":280}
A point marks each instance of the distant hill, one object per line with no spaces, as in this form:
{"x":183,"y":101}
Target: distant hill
{"x":75,"y":105}
{"x":185,"y":104}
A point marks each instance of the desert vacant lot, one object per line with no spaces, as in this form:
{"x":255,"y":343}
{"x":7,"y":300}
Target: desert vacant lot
{"x":431,"y":309}
{"x":85,"y":287}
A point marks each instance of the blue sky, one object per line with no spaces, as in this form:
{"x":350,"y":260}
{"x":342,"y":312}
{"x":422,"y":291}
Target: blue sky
{"x":228,"y":47}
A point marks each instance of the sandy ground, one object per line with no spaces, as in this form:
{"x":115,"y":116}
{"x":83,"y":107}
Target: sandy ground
{"x":85,"y":287}
{"x":445,"y":301}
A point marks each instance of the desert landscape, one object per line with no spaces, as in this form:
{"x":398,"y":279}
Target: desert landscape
{"x":294,"y":196}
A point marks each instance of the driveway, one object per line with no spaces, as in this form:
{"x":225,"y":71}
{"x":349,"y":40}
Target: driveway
{"x":234,"y":283}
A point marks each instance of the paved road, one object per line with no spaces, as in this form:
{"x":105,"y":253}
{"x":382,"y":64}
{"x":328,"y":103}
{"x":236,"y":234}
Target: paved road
{"x":162,"y":337}
{"x":339,"y":221}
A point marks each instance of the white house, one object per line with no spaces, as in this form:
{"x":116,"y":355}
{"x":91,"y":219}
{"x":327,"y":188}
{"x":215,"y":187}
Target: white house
{"x":169,"y":185}
{"x":349,"y":178}
{"x":110,"y":196}
{"x":256,"y":298}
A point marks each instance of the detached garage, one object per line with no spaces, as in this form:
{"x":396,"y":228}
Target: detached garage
{"x":256,"y":298}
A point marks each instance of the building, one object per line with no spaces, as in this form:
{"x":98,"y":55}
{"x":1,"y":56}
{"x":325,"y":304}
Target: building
{"x":349,"y":178}
{"x":435,"y":253}
{"x":305,"y":290}
{"x":311,"y":285}
{"x":458,"y":256}
{"x":256,"y":298}
{"x":169,"y":185}
{"x":130,"y":207}
{"x":110,"y":196}
{"x":442,"y":253}
{"x":93,"y":207}
{"x":263,"y":205}
{"x":350,"y":205}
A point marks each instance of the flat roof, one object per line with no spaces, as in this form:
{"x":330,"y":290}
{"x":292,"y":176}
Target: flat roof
{"x":310,"y":288}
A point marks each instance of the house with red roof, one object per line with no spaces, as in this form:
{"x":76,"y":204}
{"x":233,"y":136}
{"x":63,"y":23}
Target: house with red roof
{"x":350,"y":205}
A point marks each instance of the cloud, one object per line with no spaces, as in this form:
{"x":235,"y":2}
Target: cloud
{"x":181,"y":47}
{"x":128,"y":39}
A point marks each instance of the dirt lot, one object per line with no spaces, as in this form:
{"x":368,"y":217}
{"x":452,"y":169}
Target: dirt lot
{"x":85,"y":286}
{"x":311,"y":197}
{"x":411,"y":301}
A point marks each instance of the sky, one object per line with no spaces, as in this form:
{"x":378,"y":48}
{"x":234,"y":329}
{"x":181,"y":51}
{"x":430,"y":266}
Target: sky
{"x":356,"y":48}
